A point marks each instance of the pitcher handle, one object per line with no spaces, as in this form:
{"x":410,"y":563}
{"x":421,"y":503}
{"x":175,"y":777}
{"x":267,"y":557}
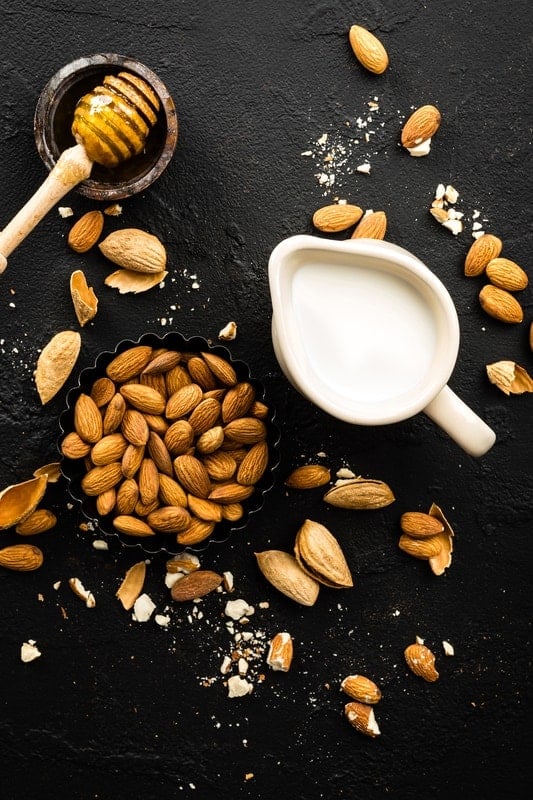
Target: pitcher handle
{"x":460,"y":422}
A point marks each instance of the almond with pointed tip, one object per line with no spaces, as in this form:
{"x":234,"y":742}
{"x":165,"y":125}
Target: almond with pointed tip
{"x":129,"y":363}
{"x":88,"y":421}
{"x":282,"y":570}
{"x":39,"y":521}
{"x":360,"y":493}
{"x":21,"y":557}
{"x":421,"y":662}
{"x":506,"y":274}
{"x":135,"y":249}
{"x":481,"y":251}
{"x":308,"y":476}
{"x":422,"y":125}
{"x":320,"y":555}
{"x":371,"y":226}
{"x":500,"y":304}
{"x":86,"y":231}
{"x":195,"y":584}
{"x":336,"y":217}
{"x":368,"y":50}
{"x":362,"y":689}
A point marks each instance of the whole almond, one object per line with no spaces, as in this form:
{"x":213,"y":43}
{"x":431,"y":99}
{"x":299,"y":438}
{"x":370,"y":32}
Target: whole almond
{"x":197,"y":531}
{"x":192,"y":475}
{"x":245,"y":430}
{"x":285,"y":574}
{"x":39,"y":521}
{"x":368,"y":50}
{"x":179,"y":437}
{"x":129,"y":363}
{"x":135,"y":249}
{"x":308,"y":476}
{"x":171,"y":492}
{"x":210,"y":440}
{"x":99,"y":479}
{"x":132,"y":526}
{"x":106,"y":501}
{"x":506,"y":274}
{"x":148,"y":480}
{"x":134,"y":427}
{"x":221,"y":368}
{"x":73,"y":446}
{"x":480,"y":253}
{"x":336,"y":217}
{"x":319,"y":554}
{"x":230,"y":493}
{"x":360,"y":493}
{"x":204,"y":509}
{"x":113,"y":414}
{"x":156,"y":423}
{"x":371,"y":226}
{"x":87,"y":419}
{"x":421,"y":125}
{"x":161,"y":363}
{"x":131,"y":460}
{"x":21,"y":557}
{"x":232,"y":512}
{"x":237,"y":401}
{"x":159,"y":454}
{"x":86,"y":231}
{"x":253,"y":466}
{"x":220,"y":466}
{"x":500,"y":304}
{"x":127,"y":496}
{"x":102,"y":390}
{"x":183,"y":401}
{"x":423,"y":548}
{"x":195,"y":584}
{"x":169,"y":519}
{"x":143,"y":398}
{"x":420,"y":525}
{"x":108,"y":448}
{"x":176,"y":378}
{"x":204,"y":415}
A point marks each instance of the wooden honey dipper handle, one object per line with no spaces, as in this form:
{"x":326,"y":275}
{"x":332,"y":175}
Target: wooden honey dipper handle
{"x":72,"y":167}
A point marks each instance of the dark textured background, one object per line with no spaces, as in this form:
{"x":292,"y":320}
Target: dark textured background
{"x":115,"y":708}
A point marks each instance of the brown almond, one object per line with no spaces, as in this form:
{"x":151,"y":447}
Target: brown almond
{"x":132,"y":526}
{"x":73,"y":446}
{"x":87,"y":419}
{"x":360,"y":493}
{"x":55,"y":363}
{"x":106,"y":501}
{"x":423,"y":548}
{"x":131,"y":460}
{"x":371,"y":226}
{"x":135,"y":249}
{"x":102,"y":390}
{"x":361,"y":717}
{"x":192,"y":475}
{"x":155,"y":380}
{"x":209,"y":441}
{"x":109,"y":448}
{"x":100,"y":479}
{"x":148,"y":480}
{"x":86,"y":231}
{"x":170,"y":491}
{"x":253,"y":466}
{"x":127,"y":496}
{"x":258,"y":409}
{"x":84,"y":300}
{"x":421,"y":661}
{"x":420,"y":525}
{"x":232,"y":512}
{"x":336,"y":217}
{"x":183,"y":401}
{"x":161,"y":363}
{"x":506,"y":274}
{"x":421,"y":125}
{"x":482,"y":250}
{"x":21,"y":557}
{"x":220,"y":466}
{"x":195,"y":584}
{"x":204,"y":415}
{"x":361,"y":688}
{"x":368,"y":50}
{"x":204,"y":509}
{"x":230,"y":493}
{"x":134,"y":427}
{"x":308,"y":476}
{"x":221,"y":368}
{"x":176,"y":378}
{"x":201,"y":373}
{"x":143,"y":398}
{"x":159,"y":454}
{"x":245,"y":430}
{"x":169,"y":519}
{"x":500,"y":304}
{"x":114,"y":413}
{"x":237,"y":401}
{"x":285,"y":574}
{"x":132,"y":585}
{"x":129,"y":363}
{"x":197,"y":531}
{"x":38,"y":521}
{"x":179,"y":437}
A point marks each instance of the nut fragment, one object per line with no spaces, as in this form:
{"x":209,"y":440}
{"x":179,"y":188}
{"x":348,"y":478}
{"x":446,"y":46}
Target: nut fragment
{"x":132,"y":585}
{"x":360,"y":493}
{"x":19,"y":500}
{"x":421,"y":662}
{"x":83,"y":297}
{"x":280,"y":652}
{"x":443,"y":560}
{"x":510,"y":377}
{"x":361,"y":688}
{"x":80,"y":591}
{"x":127,"y":281}
{"x":368,"y":50}
{"x":361,"y":717}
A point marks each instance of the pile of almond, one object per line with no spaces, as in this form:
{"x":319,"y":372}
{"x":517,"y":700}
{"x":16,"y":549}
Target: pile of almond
{"x":172,"y":442}
{"x":505,"y":278}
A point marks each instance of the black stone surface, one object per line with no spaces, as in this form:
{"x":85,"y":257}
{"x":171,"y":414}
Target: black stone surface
{"x":115,"y":708}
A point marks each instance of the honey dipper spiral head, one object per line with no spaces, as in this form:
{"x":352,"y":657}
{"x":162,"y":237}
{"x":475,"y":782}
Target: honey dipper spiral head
{"x":113,"y":120}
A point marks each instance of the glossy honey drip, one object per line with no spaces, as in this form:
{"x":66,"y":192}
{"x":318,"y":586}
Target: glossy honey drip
{"x":113,"y":120}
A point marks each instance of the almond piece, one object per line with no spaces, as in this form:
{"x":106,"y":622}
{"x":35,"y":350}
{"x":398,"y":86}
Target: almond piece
{"x":362,"y":718}
{"x":480,"y":253}
{"x":336,"y":217}
{"x":500,"y":304}
{"x":132,"y":585}
{"x":420,"y":525}
{"x":21,"y":557}
{"x":506,"y":274}
{"x":128,"y":364}
{"x":421,"y":126}
{"x":280,"y":652}
{"x":87,"y":419}
{"x":55,"y":363}
{"x":421,"y":662}
{"x":135,"y":249}
{"x":83,"y":297}
{"x":38,"y":521}
{"x":20,"y":500}
{"x":371,"y":226}
{"x":195,"y":584}
{"x":285,"y":574}
{"x":368,"y":50}
{"x":86,"y":231}
{"x":510,"y":377}
{"x":127,"y":281}
{"x":308,"y":476}
{"x":362,"y":689}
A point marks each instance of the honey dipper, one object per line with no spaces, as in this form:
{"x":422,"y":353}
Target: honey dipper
{"x":111,"y":124}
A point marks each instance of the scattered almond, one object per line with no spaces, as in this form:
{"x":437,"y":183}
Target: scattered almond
{"x":500,"y":304}
{"x":510,"y":377}
{"x":360,"y":493}
{"x":195,"y":584}
{"x":336,"y":217}
{"x":482,"y":250}
{"x":135,"y":249}
{"x":371,"y":226}
{"x":421,"y":662}
{"x":21,"y":557}
{"x":421,"y":126}
{"x":280,"y":652}
{"x":368,"y":50}
{"x":506,"y":274}
{"x":132,"y":585}
{"x":127,"y":281}
{"x":86,"y":231}
{"x":83,"y":298}
{"x":285,"y":574}
{"x":362,"y":689}
{"x":361,"y":717}
{"x":420,"y":525}
{"x":38,"y":521}
{"x":308,"y":476}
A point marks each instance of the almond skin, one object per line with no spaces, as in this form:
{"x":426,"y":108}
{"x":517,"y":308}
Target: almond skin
{"x":500,"y":304}
{"x":421,"y":125}
{"x":506,"y":274}
{"x":86,"y":231}
{"x":368,"y":50}
{"x":336,"y":217}
{"x":480,"y":253}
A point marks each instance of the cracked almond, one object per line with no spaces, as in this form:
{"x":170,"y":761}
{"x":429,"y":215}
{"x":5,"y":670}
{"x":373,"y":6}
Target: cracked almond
{"x":285,"y":574}
{"x":55,"y":363}
{"x":320,"y":555}
{"x":361,"y":717}
{"x":360,"y":493}
{"x":20,"y":500}
{"x":362,"y":689}
{"x":421,"y":662}
{"x":421,"y":126}
{"x":39,"y":521}
{"x":84,"y":300}
{"x":510,"y":377}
